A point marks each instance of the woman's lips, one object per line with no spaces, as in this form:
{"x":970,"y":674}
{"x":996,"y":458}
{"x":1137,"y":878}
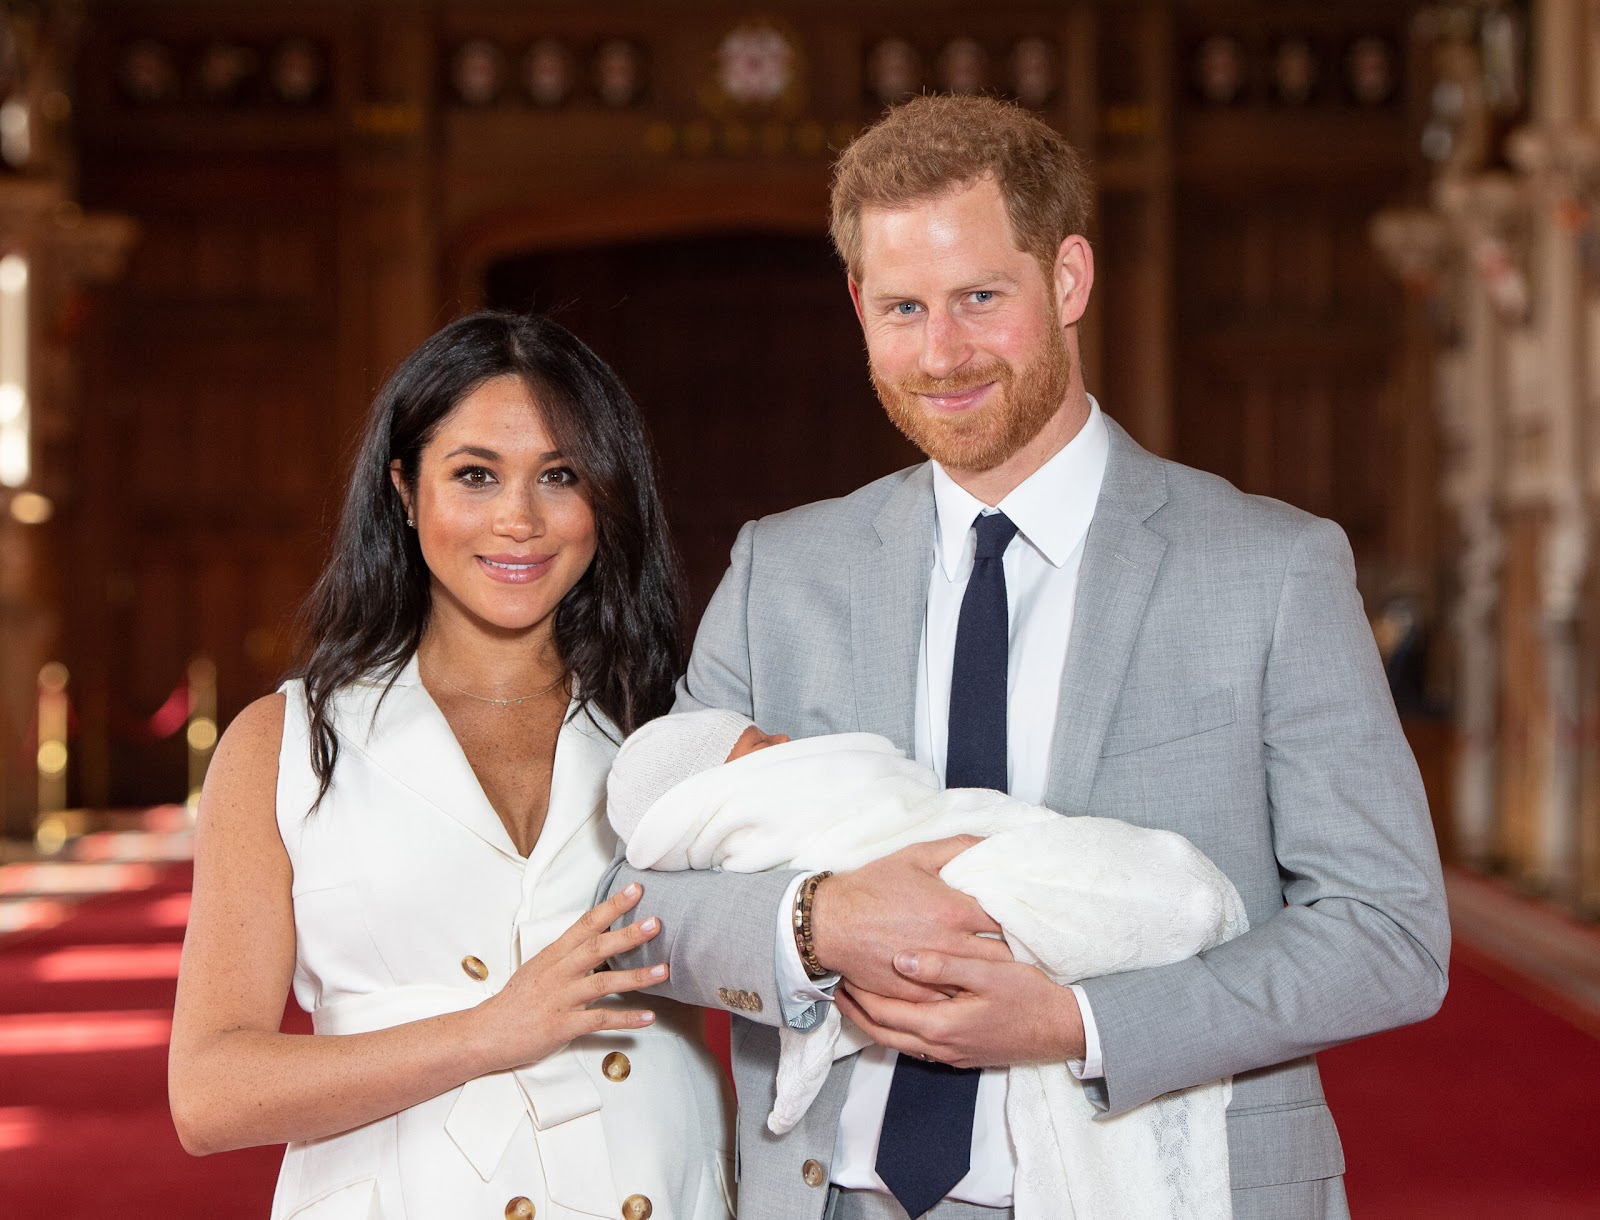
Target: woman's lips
{"x":514,"y":569}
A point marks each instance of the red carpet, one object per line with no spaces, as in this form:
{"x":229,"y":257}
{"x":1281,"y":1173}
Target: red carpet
{"x":1491,"y":1110}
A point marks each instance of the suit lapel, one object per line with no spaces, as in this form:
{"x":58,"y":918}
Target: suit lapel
{"x":888,"y":600}
{"x":1121,"y":557}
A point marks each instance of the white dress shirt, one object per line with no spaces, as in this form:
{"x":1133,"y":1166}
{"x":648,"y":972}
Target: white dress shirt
{"x":1052,"y":510}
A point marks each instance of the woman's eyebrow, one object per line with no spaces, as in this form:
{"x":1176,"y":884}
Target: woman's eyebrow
{"x":489,"y":455}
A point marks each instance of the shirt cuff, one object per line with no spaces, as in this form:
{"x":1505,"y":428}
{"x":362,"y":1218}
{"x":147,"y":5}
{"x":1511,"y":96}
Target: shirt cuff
{"x":1090,"y":1067}
{"x":798,"y":993}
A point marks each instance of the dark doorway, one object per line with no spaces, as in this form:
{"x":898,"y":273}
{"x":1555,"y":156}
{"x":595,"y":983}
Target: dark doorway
{"x":745,"y":356}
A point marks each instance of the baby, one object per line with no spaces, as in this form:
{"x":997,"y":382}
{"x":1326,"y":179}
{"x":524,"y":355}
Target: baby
{"x":1075,"y":896}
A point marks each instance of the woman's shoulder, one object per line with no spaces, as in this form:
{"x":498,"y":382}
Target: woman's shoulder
{"x":244,"y":770}
{"x":258,"y":727}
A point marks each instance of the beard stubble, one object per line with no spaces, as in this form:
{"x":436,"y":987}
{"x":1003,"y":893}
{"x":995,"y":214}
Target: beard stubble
{"x":983,"y":437}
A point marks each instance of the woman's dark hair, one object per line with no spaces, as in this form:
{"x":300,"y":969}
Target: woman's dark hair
{"x":618,"y":630}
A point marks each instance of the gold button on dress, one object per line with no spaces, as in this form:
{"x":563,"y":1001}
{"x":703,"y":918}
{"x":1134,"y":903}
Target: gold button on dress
{"x":520,"y":1208}
{"x":474,"y":968}
{"x":616,"y":1067}
{"x":636,"y":1207}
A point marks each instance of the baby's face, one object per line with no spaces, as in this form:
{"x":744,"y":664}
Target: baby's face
{"x":753,"y":739}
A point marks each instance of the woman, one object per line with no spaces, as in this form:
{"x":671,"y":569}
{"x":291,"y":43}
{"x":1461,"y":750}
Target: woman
{"x":412,"y":829}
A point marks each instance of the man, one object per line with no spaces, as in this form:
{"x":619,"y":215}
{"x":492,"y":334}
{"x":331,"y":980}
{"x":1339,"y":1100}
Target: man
{"x":1124,"y":637}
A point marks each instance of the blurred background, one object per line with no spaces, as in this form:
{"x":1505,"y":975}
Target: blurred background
{"x":1348,"y":256}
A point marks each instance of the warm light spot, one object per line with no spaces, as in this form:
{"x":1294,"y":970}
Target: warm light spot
{"x":12,"y":400}
{"x":53,"y":677}
{"x":63,"y":877}
{"x":30,"y":508}
{"x":72,"y":1033}
{"x":52,"y":757}
{"x":169,"y":912}
{"x":100,"y":963}
{"x":202,"y":733}
{"x":13,"y":274}
{"x":30,"y":914}
{"x":19,"y":1126}
{"x":51,"y":835}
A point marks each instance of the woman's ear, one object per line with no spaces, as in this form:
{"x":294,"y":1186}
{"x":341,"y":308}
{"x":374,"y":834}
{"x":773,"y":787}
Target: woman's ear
{"x":397,"y":476}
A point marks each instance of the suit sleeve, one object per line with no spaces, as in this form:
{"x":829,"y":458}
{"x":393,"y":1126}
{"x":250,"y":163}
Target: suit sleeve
{"x":716,"y":927}
{"x":1362,"y":941}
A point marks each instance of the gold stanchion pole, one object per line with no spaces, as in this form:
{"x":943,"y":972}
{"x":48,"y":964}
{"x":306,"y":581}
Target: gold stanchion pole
{"x":202,"y":730}
{"x":50,"y":828}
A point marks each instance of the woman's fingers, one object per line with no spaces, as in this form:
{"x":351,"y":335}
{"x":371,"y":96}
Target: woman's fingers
{"x":609,"y":982}
{"x":601,"y":1019}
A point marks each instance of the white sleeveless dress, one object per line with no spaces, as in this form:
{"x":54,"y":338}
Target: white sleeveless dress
{"x":406,"y":890}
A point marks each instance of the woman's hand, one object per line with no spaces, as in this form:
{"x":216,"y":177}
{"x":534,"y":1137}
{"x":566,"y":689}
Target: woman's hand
{"x":547,"y":1002}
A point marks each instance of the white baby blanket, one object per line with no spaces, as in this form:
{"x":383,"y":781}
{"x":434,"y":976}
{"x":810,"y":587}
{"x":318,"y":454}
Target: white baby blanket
{"x":1078,"y":897}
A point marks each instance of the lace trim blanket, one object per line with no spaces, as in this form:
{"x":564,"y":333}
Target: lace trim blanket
{"x":1076,"y":896}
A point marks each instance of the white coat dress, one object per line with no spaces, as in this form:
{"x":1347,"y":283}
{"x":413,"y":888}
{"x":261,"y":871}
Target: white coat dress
{"x":411,"y":901}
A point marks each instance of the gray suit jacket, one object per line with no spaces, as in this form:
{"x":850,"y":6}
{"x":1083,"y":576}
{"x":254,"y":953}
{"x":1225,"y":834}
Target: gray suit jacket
{"x":1221,"y":682}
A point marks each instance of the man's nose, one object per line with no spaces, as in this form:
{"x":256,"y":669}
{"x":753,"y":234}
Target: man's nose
{"x":945,"y":346}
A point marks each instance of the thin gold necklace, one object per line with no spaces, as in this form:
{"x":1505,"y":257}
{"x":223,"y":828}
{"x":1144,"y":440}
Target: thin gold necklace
{"x":517,"y":700}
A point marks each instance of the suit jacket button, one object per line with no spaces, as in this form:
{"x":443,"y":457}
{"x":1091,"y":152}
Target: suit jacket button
{"x":616,"y":1067}
{"x":813,"y":1172}
{"x":520,"y":1208}
{"x":636,"y":1207}
{"x":726,"y":997}
{"x":752,"y":1001}
{"x":475,"y":969}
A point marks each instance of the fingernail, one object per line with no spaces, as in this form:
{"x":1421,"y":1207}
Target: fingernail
{"x":645,"y":1018}
{"x":658,"y":972}
{"x":649,"y":925}
{"x":632,"y":889}
{"x":905,"y":963}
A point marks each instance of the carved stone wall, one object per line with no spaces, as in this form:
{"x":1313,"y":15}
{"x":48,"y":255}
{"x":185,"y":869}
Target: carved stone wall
{"x":1508,"y":256}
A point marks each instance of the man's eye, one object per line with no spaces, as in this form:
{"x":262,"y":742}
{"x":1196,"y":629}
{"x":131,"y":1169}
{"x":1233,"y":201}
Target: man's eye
{"x":905,"y":308}
{"x":983,"y":296}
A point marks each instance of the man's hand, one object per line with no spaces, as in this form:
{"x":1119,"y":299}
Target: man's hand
{"x":861,"y":919}
{"x":995,"y":1013}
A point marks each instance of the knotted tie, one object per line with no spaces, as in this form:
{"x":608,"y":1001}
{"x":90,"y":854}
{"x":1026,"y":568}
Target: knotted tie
{"x":926,"y":1144}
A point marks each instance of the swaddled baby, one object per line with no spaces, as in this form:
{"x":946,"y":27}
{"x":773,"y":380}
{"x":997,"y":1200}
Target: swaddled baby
{"x":1075,"y":896}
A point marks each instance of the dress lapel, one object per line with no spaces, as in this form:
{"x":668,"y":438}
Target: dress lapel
{"x":1121,"y":556}
{"x":577,"y":784}
{"x":407,"y":736}
{"x":888,"y":601}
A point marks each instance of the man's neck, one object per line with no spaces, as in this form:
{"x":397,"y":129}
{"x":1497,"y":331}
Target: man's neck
{"x":995,"y":484}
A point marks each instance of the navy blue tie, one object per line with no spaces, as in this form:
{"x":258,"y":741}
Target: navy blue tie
{"x":926,"y":1144}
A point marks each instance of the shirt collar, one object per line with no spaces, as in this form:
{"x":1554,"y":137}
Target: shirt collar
{"x":1052,"y":507}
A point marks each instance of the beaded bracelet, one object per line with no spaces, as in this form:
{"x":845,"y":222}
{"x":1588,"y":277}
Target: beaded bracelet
{"x":802,"y":925}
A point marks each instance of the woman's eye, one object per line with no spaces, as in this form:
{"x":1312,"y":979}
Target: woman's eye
{"x":474,"y":476}
{"x":559,"y":476}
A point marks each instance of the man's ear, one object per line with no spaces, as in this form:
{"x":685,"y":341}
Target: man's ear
{"x":855,"y":299}
{"x":1074,"y":278}
{"x":397,"y":476}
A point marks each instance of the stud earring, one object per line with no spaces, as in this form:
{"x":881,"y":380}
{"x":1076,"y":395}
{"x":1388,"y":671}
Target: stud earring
{"x":411,"y":523}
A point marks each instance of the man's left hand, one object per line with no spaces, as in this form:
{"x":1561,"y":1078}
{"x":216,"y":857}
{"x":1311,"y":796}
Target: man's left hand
{"x":996,"y":1013}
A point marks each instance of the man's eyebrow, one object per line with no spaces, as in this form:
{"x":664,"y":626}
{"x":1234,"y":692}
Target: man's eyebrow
{"x":984,"y":279}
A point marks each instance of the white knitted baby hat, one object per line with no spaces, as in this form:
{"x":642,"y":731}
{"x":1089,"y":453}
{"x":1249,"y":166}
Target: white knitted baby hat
{"x":662,"y":755}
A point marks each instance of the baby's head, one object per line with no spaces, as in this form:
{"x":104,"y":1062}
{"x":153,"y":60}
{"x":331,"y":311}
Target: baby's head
{"x":662,"y":754}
